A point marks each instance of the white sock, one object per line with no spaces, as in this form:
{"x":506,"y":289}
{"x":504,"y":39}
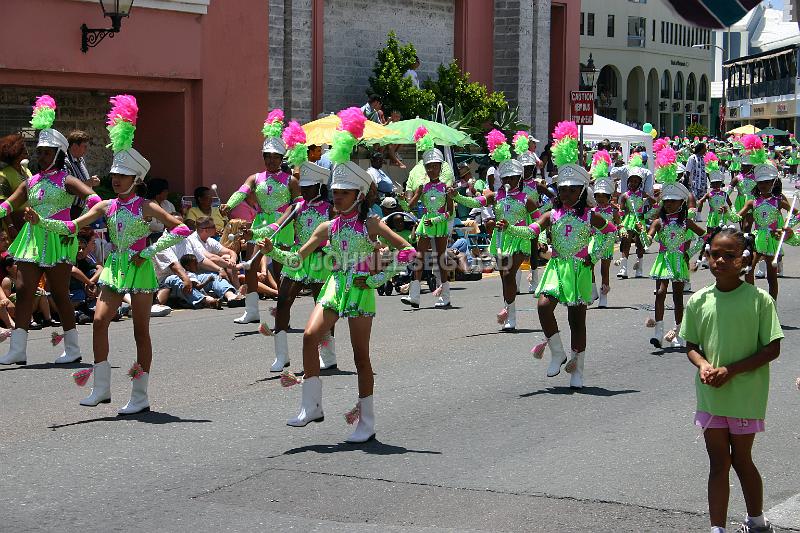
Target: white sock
{"x":758,"y":521}
{"x":717,"y":529}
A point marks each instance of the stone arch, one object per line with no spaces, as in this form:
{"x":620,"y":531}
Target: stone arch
{"x":677,"y":92}
{"x":651,"y":105}
{"x":691,"y":87}
{"x":635,"y":97}
{"x":609,"y":92}
{"x":703,"y":92}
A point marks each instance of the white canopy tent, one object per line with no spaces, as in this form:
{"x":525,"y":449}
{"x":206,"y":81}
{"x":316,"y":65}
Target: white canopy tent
{"x":605,"y":128}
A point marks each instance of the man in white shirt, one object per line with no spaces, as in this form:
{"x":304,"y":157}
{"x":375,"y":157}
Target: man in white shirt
{"x":219,"y":256}
{"x":412,"y":73}
{"x":373,"y":109}
{"x":382,"y":180}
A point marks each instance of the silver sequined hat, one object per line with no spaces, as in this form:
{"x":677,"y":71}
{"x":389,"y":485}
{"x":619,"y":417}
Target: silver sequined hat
{"x":675,"y":191}
{"x":313,"y":174}
{"x":765,"y":172}
{"x":604,"y":186}
{"x":53,"y":138}
{"x":511,"y":167}
{"x":434,"y":155}
{"x":350,"y":176}
{"x":571,"y":174}
{"x":273,"y":145}
{"x":130,"y":163}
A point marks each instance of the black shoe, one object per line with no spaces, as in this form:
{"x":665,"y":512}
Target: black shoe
{"x":83,"y":319}
{"x":51,"y":323}
{"x":236,"y":302}
{"x":35,"y":325}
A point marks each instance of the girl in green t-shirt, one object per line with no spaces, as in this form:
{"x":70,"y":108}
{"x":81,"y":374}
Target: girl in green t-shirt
{"x":732,"y":333}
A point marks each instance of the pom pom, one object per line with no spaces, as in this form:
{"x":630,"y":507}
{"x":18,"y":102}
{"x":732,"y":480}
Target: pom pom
{"x":502,"y":316}
{"x":81,"y":377}
{"x":538,"y":350}
{"x":297,"y":155}
{"x":601,"y":155}
{"x":752,"y":142}
{"x":265,"y":330}
{"x":494,"y":139}
{"x":421,"y":132}
{"x":636,"y":160}
{"x":294,"y":134}
{"x":272,"y":129}
{"x":521,"y":142}
{"x":710,"y":156}
{"x":660,"y":144}
{"x":600,"y":164}
{"x":276,"y":115}
{"x":43,"y":118}
{"x":352,"y":416}
{"x":342,"y":146}
{"x":136,"y":371}
{"x":425,"y":143}
{"x":712,"y":166}
{"x":353,"y":121}
{"x":44,"y":101}
{"x":565,"y":151}
{"x":56,"y":337}
{"x":565,"y":128}
{"x":288,"y":379}
{"x":665,"y":157}
{"x":502,"y":153}
{"x":123,"y":107}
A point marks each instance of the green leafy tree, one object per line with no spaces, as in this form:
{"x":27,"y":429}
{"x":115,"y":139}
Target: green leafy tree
{"x":696,"y":129}
{"x":397,"y":92}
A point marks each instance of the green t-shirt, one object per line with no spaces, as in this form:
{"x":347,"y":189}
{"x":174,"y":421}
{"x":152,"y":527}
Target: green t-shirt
{"x":729,"y":327}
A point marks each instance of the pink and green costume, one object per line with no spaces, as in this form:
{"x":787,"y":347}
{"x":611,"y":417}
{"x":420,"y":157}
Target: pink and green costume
{"x":512,"y":208}
{"x":274,"y":197}
{"x":673,"y":239}
{"x":352,"y":250}
{"x":634,"y":208}
{"x":607,"y":213}
{"x":314,"y":268}
{"x":717,"y":201}
{"x":745,"y":188}
{"x":128,"y":231}
{"x":766,"y":218}
{"x":48,"y":196}
{"x":434,"y":202}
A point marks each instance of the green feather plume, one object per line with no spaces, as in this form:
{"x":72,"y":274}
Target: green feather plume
{"x":297,"y":155}
{"x":758,"y":157}
{"x":273,"y":129}
{"x":636,"y":161}
{"x":121,"y":135}
{"x":425,"y":143}
{"x":565,"y":152}
{"x":502,"y":153}
{"x":342,"y":146}
{"x":521,"y":145}
{"x":667,"y":174}
{"x":712,"y":166}
{"x":43,"y":118}
{"x":600,"y":170}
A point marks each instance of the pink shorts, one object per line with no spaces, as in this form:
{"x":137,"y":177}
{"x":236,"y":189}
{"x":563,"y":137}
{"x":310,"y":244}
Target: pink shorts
{"x":737,"y":426}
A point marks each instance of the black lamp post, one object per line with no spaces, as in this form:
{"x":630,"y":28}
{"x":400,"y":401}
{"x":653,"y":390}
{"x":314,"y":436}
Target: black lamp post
{"x":116,"y":10}
{"x":588,"y":72}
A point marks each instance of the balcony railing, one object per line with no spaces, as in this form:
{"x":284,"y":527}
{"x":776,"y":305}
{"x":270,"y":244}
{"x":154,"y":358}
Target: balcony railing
{"x":636,"y":41}
{"x":762,"y":89}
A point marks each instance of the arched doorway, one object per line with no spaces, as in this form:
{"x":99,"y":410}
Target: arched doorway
{"x":691,"y":87}
{"x":635,"y":98}
{"x":651,"y":106}
{"x":608,"y":85}
{"x":665,"y":110}
{"x":677,"y":97}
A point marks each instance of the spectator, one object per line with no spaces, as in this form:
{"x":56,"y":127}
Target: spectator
{"x":204,"y":199}
{"x":41,"y":304}
{"x":188,"y":288}
{"x":83,"y":283}
{"x":394,"y":157}
{"x":463,"y":185}
{"x":220,"y":256}
{"x":246,"y":210}
{"x":74,"y":163}
{"x":6,"y":303}
{"x":373,"y":109}
{"x":210,"y":283}
{"x":412,"y":73}
{"x":382,"y":180}
{"x":158,"y":190}
{"x":12,"y":173}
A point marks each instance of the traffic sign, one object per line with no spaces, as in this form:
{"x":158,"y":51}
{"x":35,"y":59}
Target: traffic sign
{"x":581,"y":107}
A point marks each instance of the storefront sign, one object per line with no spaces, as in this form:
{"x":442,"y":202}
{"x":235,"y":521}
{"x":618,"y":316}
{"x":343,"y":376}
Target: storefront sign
{"x":678,"y":63}
{"x":781,"y":107}
{"x":757,"y":110}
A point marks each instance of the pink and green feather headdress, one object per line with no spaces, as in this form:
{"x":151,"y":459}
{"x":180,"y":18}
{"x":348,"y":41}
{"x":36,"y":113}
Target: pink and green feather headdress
{"x":754,"y":149}
{"x":601,"y":162}
{"x":711,"y":161}
{"x":423,"y":139}
{"x":666,"y":166}
{"x":44,"y":112}
{"x":565,"y":145}
{"x":273,"y":126}
{"x":121,"y":122}
{"x":521,"y":141}
{"x":636,"y":161}
{"x":296,"y":149}
{"x":496,"y":142}
{"x":351,"y":129}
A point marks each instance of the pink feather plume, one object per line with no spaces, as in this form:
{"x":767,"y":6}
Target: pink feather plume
{"x":494,"y":139}
{"x":124,"y":107}
{"x":565,"y":128}
{"x":82,"y":376}
{"x":666,"y":157}
{"x":421,"y":132}
{"x":294,"y":134}
{"x":538,"y":350}
{"x":710,"y":156}
{"x":752,"y":142}
{"x":353,"y":120}
{"x":520,"y":133}
{"x":44,"y":101}
{"x":601,"y":155}
{"x":275,"y":115}
{"x":660,"y":144}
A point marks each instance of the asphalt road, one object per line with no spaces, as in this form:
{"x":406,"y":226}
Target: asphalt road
{"x":471,"y":434}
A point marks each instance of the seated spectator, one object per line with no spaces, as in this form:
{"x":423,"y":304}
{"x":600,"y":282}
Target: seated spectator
{"x":220,"y":256}
{"x":41,"y":303}
{"x":382,"y":180}
{"x":460,"y":252}
{"x":83,"y":284}
{"x":246,"y":210}
{"x":186,"y":288}
{"x":204,"y":198}
{"x":6,"y":302}
{"x":158,"y":190}
{"x":211,"y":284}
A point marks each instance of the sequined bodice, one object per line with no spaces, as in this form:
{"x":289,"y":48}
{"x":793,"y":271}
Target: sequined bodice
{"x":717,"y":200}
{"x":511,"y":207}
{"x":48,"y":196}
{"x":434,"y":198}
{"x":766,"y":213}
{"x":606,"y":212}
{"x":635,"y":202}
{"x":309,"y":218}
{"x":530,"y":188}
{"x":571,"y":233}
{"x":673,"y":235}
{"x":745,"y":186}
{"x":272,"y":192}
{"x":127,"y":227}
{"x":349,"y":243}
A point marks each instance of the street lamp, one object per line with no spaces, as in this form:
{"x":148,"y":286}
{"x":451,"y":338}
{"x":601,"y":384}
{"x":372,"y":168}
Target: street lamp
{"x":588,"y":73}
{"x":116,"y":10}
{"x":724,"y":93}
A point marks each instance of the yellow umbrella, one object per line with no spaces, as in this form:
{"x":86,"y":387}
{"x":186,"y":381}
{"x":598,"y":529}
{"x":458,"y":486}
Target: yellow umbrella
{"x":744,"y":130}
{"x":321,"y":131}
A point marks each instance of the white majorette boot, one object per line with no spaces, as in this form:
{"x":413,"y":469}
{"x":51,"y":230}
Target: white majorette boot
{"x":281,"y":352}
{"x":678,"y":342}
{"x":511,"y":320}
{"x":638,"y":266}
{"x":604,"y":290}
{"x":251,"y":314}
{"x":327,"y":352}
{"x":310,"y":404}
{"x":101,"y":388}
{"x":444,"y":299}
{"x":413,"y":295}
{"x":575,"y":368}
{"x":658,"y":334}
{"x":532,"y":280}
{"x":72,"y":350}
{"x":595,"y":294}
{"x":623,"y":269}
{"x":518,"y":280}
{"x":557,"y":355}
{"x":365,"y":430}
{"x":17,"y":350}
{"x":139,"y":402}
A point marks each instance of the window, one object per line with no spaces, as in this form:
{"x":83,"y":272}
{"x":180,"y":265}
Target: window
{"x":590,"y":24}
{"x":662,"y":32}
{"x":636,"y":32}
{"x":666,"y":85}
{"x":581,"y":22}
{"x":610,"y":30}
{"x":703,"y":89}
{"x":691,"y":87}
{"x":654,"y":31}
{"x":678,"y":93}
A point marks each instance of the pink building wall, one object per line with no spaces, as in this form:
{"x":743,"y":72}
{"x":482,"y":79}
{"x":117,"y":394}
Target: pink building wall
{"x":564,"y":57}
{"x":201,"y":79}
{"x":474,"y":39}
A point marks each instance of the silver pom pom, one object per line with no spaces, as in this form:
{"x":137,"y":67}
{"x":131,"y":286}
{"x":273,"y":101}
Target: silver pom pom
{"x":746,"y":253}
{"x":708,"y":248}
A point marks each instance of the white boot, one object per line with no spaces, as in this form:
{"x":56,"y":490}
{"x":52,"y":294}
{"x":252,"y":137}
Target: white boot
{"x":638,"y":266}
{"x":281,"y":352}
{"x":623,"y":269}
{"x":139,"y":402}
{"x":365,"y":430}
{"x":327,"y":352}
{"x":575,"y":368}
{"x":72,"y":350}
{"x":603,"y":303}
{"x":413,"y":295}
{"x":557,"y":355}
{"x":533,"y":280}
{"x":595,"y":295}
{"x":678,"y":342}
{"x":518,"y":281}
{"x":251,"y":314}
{"x":444,"y":300}
{"x":101,"y":388}
{"x":17,"y":349}
{"x":658,"y":334}
{"x":687,"y":287}
{"x":761,"y":270}
{"x":511,"y":320}
{"x":310,"y":404}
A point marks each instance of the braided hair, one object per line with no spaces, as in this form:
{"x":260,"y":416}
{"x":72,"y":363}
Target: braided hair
{"x":747,"y":240}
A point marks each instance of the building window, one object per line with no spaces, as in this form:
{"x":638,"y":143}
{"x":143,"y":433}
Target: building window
{"x":582,"y":22}
{"x":654,"y":31}
{"x":703,"y":89}
{"x":691,"y":87}
{"x":678,"y":93}
{"x":662,"y":32}
{"x":666,"y":85}
{"x":590,"y":24}
{"x":610,"y":30}
{"x":637,"y":27}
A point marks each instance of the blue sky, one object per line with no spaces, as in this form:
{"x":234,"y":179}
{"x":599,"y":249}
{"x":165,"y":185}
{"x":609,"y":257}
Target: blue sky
{"x":777,"y":4}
